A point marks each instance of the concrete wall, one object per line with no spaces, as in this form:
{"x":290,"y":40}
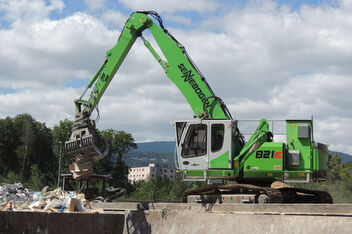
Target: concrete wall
{"x":185,"y":218}
{"x":268,"y":218}
{"x":66,"y":223}
{"x":215,"y":222}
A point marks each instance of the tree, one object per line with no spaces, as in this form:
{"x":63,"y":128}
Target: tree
{"x":9,"y":141}
{"x":335,"y":167}
{"x":340,"y":181}
{"x":153,"y":189}
{"x":23,"y":143}
{"x":36,"y":181}
{"x":11,"y":178}
{"x":25,"y":149}
{"x":35,"y":147}
{"x":120,"y":143}
{"x":62,"y":133}
{"x":178,"y":187}
{"x":159,"y":188}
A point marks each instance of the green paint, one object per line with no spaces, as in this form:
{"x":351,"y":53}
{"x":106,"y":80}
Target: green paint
{"x":257,"y":167}
{"x":210,"y":173}
{"x":304,"y":145}
{"x":220,"y":162}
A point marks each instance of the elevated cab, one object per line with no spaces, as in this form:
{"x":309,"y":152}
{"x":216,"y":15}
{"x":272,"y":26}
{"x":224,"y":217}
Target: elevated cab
{"x":205,"y":148}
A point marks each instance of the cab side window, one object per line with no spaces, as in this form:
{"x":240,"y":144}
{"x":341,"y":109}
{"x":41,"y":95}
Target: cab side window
{"x":179,"y":130}
{"x":195,"y":141}
{"x":217,"y":137}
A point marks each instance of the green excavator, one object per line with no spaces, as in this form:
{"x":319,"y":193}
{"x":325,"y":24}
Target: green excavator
{"x":210,"y":147}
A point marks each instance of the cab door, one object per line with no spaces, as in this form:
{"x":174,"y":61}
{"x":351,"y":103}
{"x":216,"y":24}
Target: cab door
{"x":220,"y":150}
{"x":193,"y":152}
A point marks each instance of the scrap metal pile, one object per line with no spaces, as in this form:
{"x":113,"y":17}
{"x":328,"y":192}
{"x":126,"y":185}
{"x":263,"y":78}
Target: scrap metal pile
{"x":15,"y":197}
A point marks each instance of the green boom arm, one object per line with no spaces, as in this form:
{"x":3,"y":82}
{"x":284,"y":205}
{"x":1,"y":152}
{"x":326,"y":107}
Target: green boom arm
{"x":179,"y":68}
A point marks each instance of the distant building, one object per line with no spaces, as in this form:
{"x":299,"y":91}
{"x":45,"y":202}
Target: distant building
{"x":153,"y":170}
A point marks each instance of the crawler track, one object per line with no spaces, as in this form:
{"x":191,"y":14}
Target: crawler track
{"x":280,"y":195}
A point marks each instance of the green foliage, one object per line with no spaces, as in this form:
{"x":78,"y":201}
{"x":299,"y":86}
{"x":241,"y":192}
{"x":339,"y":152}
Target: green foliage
{"x":149,"y":189}
{"x":340,"y":185}
{"x":62,"y":133}
{"x":36,"y":181}
{"x":178,"y":188}
{"x":160,"y":188}
{"x":198,"y":184}
{"x":335,"y":167}
{"x":340,"y":181}
{"x":120,"y":143}
{"x":25,"y":142}
{"x":29,"y":152}
{"x":9,"y":141}
{"x":11,"y":178}
{"x":119,"y":174}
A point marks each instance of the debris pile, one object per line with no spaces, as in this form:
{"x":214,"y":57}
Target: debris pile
{"x":16,"y":197}
{"x":14,"y":193}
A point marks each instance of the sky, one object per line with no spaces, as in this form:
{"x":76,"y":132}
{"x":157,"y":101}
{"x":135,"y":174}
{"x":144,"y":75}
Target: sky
{"x":266,"y":59}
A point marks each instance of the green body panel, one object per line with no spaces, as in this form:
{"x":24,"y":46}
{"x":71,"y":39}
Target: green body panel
{"x":178,"y":68}
{"x":275,"y":175}
{"x":256,"y":140}
{"x":320,"y":160}
{"x":220,"y":162}
{"x":267,"y":158}
{"x":304,"y":145}
{"x":215,"y":173}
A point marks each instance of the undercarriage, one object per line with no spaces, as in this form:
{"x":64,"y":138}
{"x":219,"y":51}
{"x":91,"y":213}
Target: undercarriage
{"x":246,"y":193}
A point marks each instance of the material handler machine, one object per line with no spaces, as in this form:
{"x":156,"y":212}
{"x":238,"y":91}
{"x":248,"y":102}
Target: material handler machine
{"x":210,"y":147}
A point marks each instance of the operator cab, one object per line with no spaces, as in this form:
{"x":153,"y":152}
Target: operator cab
{"x":205,"y":144}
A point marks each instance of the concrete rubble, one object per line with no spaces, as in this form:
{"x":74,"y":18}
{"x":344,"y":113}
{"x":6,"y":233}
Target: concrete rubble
{"x":17,"y":198}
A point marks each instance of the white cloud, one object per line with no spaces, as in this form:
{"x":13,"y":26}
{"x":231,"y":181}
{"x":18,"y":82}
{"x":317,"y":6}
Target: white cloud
{"x":48,"y":105}
{"x":95,"y":4}
{"x":17,"y":11}
{"x":261,"y":59}
{"x":114,"y":18}
{"x":182,"y":20}
{"x":171,"y":5}
{"x":52,"y":52}
{"x":334,"y":131}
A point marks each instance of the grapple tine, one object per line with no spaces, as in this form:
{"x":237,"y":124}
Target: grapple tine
{"x":84,"y":147}
{"x":89,"y":146}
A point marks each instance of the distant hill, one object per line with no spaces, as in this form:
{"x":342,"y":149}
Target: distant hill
{"x":143,"y":159}
{"x":345,"y":157}
{"x":156,"y":146}
{"x":157,"y":152}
